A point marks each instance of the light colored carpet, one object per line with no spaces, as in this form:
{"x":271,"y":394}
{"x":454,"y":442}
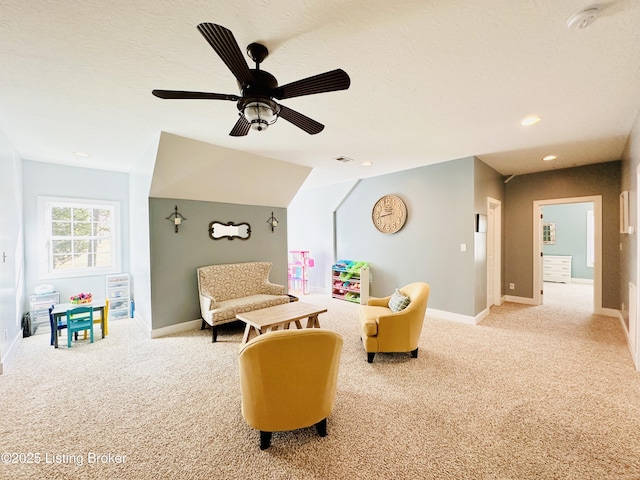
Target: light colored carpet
{"x":544,"y":392}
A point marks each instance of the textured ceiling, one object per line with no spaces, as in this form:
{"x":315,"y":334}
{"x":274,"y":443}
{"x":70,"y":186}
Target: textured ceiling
{"x":431,"y":81}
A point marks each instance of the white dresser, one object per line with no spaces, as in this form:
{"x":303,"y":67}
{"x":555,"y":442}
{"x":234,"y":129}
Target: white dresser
{"x":557,"y":268}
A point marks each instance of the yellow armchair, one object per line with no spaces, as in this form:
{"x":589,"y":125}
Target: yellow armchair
{"x":288,"y":380}
{"x":383,"y":330}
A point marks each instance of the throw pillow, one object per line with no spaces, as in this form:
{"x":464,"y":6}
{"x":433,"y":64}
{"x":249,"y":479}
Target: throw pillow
{"x":398,"y":301}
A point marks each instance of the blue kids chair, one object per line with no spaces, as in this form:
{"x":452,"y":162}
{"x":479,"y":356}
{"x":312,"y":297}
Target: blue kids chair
{"x":78,"y":320}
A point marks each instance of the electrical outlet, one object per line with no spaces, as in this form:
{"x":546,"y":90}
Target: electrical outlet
{"x":512,"y":286}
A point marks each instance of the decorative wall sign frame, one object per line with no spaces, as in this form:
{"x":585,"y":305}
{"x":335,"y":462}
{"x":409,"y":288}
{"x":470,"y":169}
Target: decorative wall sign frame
{"x":230,"y":231}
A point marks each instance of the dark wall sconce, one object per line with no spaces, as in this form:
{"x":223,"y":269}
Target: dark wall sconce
{"x":273,"y":221}
{"x":176,"y":218}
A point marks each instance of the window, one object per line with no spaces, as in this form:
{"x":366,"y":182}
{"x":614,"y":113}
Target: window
{"x":549,"y":233}
{"x":80,"y":237}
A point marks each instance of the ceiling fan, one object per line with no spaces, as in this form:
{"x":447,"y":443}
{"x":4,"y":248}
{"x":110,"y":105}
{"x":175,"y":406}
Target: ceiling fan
{"x":259,"y":88}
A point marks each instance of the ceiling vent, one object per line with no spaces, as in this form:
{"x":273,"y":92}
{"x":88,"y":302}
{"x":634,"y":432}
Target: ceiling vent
{"x":344,"y":159}
{"x":583,"y":19}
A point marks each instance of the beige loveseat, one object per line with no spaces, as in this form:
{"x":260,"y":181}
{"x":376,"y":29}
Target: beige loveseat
{"x":228,"y":289}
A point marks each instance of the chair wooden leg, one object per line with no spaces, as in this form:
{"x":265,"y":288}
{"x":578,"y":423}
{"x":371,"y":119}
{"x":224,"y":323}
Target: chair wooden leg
{"x":204,"y":325}
{"x":214,"y":335}
{"x":265,"y":440}
{"x":321,"y":426}
{"x":370,"y":356}
{"x":414,"y":353}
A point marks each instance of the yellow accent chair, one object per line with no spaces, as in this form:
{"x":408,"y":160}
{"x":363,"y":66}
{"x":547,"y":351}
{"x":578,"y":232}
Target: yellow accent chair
{"x":288,"y":380}
{"x":383,"y":330}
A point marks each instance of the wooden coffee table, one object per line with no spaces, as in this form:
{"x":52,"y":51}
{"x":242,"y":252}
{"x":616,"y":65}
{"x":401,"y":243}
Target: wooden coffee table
{"x":272,"y":318}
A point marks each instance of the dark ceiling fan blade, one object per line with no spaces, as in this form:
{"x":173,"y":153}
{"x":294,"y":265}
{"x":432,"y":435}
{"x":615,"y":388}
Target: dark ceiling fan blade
{"x":180,"y":94}
{"x":226,"y":46}
{"x":324,"y":82}
{"x":241,"y":128}
{"x":301,"y":121}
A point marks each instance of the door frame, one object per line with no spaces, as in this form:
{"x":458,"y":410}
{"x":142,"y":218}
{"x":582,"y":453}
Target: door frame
{"x":494,"y":233}
{"x":537,"y":247}
{"x":634,"y":336}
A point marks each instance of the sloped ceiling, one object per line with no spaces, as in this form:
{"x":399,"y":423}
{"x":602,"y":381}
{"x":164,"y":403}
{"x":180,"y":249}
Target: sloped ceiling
{"x":192,"y":170}
{"x":432,"y":80}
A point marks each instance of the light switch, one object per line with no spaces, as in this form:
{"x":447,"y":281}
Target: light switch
{"x":463,"y":247}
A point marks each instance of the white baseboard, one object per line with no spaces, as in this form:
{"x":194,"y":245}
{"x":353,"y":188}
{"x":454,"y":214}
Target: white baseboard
{"x":457,"y":317}
{"x":171,"y":329}
{"x":629,"y":344}
{"x":524,"y":300}
{"x":610,"y":312}
{"x":7,"y":356}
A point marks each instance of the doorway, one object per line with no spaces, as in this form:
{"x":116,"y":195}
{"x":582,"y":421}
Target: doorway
{"x":540,"y":234}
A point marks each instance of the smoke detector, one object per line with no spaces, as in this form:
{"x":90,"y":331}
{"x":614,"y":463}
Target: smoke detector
{"x":584,"y":18}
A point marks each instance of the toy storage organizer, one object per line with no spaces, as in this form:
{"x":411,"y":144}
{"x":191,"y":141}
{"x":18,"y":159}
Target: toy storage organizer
{"x":299,"y":264}
{"x":350,"y":281}
{"x":119,"y":295}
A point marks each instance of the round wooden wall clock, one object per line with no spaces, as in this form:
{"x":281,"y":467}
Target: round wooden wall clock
{"x":389,"y":214}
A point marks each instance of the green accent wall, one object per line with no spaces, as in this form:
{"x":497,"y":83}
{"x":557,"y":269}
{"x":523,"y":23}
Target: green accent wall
{"x":571,"y":235}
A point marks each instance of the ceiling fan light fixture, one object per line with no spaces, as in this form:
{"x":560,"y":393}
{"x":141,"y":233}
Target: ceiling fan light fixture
{"x":583,"y":18}
{"x":260,"y":114}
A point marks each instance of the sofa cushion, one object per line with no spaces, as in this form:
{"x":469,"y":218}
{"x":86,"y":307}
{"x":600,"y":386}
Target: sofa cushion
{"x":228,"y":309}
{"x":398,"y":301}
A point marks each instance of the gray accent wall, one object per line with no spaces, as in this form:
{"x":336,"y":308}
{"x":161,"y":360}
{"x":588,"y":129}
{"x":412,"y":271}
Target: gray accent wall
{"x":174,"y":257}
{"x":520,"y":193}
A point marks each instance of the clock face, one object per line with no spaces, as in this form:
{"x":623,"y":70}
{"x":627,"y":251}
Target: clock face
{"x":389,"y":214}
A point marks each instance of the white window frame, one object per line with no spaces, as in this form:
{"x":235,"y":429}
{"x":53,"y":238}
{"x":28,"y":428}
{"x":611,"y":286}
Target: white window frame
{"x":44,"y":228}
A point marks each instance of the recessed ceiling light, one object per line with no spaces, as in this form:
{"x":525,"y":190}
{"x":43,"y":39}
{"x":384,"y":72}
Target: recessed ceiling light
{"x":530,"y":120}
{"x":367,"y":164}
{"x":548,"y":158}
{"x":81,"y":154}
